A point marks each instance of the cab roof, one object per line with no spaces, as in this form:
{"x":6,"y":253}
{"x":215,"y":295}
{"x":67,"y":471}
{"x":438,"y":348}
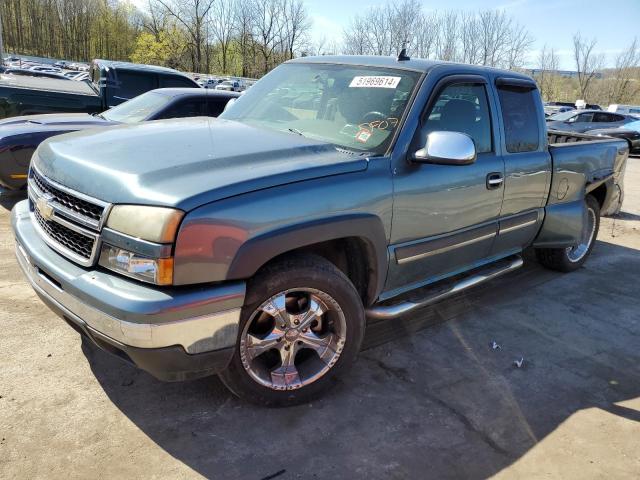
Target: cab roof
{"x":415,"y":64}
{"x":134,"y":66}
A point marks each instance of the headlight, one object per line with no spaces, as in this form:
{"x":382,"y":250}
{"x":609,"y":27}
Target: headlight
{"x":158,"y":225}
{"x":154,"y":224}
{"x":154,"y":270}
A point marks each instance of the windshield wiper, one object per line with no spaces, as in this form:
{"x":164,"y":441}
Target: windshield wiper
{"x":296,"y":131}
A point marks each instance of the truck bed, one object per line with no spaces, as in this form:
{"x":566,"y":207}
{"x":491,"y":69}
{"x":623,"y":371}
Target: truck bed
{"x":46,"y":84}
{"x":600,"y":158}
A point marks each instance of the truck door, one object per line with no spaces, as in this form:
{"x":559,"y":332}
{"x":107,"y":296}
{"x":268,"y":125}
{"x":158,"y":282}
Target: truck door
{"x":445,"y":216}
{"x":527,"y":164}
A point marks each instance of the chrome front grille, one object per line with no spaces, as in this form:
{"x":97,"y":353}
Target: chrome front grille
{"x":76,"y":242}
{"x":69,"y":221}
{"x":85,"y":211}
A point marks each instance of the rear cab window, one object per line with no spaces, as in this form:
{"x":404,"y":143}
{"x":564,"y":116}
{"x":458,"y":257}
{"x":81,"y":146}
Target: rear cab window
{"x":520,"y":118}
{"x":123,"y":85}
{"x":174,"y":81}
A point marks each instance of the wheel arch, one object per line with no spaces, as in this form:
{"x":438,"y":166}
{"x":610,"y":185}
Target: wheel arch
{"x":356,"y":244}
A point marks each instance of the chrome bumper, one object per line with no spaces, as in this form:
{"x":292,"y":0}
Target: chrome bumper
{"x":200,"y":319}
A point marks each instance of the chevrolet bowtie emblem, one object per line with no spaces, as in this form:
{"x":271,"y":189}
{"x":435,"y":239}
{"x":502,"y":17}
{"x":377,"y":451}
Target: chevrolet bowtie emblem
{"x":44,"y":207}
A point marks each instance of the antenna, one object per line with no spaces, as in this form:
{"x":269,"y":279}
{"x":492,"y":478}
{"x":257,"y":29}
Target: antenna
{"x":402,"y":56}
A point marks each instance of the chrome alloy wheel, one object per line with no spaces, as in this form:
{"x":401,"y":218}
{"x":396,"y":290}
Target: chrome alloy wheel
{"x":293,"y":339}
{"x":577,"y":252}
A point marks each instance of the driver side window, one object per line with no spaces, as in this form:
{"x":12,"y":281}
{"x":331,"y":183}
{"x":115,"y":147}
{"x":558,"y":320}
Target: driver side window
{"x":462,"y":108}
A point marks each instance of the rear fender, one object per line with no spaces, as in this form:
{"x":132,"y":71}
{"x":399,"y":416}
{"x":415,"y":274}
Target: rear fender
{"x":562,"y":226}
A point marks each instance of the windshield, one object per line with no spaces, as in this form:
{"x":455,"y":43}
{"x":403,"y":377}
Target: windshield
{"x":137,"y":109}
{"x":561,"y":117}
{"x":353,"y":107}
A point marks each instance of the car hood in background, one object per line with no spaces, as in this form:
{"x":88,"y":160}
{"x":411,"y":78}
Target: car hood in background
{"x":186,"y":163}
{"x":614,"y":131}
{"x":49,"y":122}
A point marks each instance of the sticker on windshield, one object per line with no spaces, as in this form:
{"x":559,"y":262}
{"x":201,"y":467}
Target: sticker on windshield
{"x":373,"y":81}
{"x":363,"y":135}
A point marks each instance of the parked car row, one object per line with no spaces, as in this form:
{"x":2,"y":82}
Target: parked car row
{"x":335,"y":191}
{"x":597,"y":122}
{"x":230,"y":85}
{"x":58,"y":70}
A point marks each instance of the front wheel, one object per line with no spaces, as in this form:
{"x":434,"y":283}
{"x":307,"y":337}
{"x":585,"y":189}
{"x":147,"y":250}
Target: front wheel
{"x":571,"y":258}
{"x":301,"y":326}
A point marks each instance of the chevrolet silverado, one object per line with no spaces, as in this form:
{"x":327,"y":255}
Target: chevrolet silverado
{"x":336,"y":191}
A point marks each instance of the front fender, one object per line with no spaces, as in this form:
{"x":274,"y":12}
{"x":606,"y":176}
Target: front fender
{"x":232,"y":238}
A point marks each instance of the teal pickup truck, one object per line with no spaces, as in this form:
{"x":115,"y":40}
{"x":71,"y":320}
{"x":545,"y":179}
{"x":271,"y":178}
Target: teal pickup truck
{"x":336,"y":191}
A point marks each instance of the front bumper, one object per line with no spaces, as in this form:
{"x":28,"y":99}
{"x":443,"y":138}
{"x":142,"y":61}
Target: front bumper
{"x":173,"y":333}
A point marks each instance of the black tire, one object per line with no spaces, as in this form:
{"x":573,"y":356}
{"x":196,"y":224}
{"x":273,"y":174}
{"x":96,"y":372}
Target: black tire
{"x":297,"y":272}
{"x":560,"y":258}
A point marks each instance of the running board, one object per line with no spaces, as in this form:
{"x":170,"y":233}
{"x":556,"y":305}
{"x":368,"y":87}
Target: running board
{"x":446,"y":289}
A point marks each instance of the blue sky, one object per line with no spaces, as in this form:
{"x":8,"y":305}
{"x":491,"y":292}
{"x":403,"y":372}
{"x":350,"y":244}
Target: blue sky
{"x":614,"y":23}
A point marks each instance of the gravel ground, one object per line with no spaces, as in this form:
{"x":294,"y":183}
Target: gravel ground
{"x":428,"y":397}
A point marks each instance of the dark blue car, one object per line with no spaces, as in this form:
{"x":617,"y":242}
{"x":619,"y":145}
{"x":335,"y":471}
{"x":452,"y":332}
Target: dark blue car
{"x":20,"y":136}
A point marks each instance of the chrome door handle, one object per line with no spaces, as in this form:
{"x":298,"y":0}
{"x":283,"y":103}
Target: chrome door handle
{"x":494,"y":180}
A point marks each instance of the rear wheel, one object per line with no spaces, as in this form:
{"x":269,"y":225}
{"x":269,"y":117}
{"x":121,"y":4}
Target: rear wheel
{"x":301,"y":326}
{"x":571,"y":258}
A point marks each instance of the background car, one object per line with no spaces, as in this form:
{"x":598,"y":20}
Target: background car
{"x":20,"y":136}
{"x":582,"y":121}
{"x":553,"y":109}
{"x":633,"y":110}
{"x":630,"y":132}
{"x":230,"y":86}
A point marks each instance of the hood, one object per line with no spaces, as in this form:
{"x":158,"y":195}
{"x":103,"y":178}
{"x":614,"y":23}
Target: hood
{"x":49,"y":122}
{"x":185,"y":163}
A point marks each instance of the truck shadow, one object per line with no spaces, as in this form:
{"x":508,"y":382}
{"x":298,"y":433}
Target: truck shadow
{"x":436,"y":402}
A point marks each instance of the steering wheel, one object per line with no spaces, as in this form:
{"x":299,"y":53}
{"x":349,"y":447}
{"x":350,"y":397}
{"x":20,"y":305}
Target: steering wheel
{"x":372,"y":116}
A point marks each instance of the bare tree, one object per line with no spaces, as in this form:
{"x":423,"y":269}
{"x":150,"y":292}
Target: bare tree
{"x":519,"y":43}
{"x":223,"y":29}
{"x":447,"y":41}
{"x":296,"y":26}
{"x":625,"y":81}
{"x":468,"y":37}
{"x":547,"y":76}
{"x":488,"y":37}
{"x":587,"y":62}
{"x":193,"y":15}
{"x":243,"y":21}
{"x":426,"y":36}
{"x":356,"y":37}
{"x":268,"y":27}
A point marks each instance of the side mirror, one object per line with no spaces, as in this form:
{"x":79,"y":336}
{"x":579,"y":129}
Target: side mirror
{"x":447,"y":148}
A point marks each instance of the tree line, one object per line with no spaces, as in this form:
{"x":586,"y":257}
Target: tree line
{"x":619,"y":83}
{"x":486,"y":37}
{"x":250,"y":37}
{"x":69,"y":29}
